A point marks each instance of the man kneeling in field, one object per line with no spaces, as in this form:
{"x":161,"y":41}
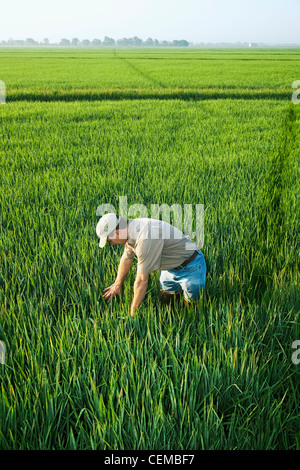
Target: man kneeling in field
{"x":157,"y":245}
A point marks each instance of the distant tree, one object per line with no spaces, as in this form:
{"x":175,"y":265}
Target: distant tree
{"x":14,"y":42}
{"x":30,"y":42}
{"x":75,"y":42}
{"x":122,"y":42}
{"x":164,"y":43}
{"x":96,"y":42}
{"x":181,"y":43}
{"x":46,"y":41}
{"x":149,"y":42}
{"x":126,"y":42}
{"x":86,"y":42}
{"x":64,"y":42}
{"x":156,"y":42}
{"x":109,"y":41}
{"x":137,"y":41}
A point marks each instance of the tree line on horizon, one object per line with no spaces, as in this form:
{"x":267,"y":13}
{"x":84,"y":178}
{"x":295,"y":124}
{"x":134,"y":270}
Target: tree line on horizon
{"x":107,"y":41}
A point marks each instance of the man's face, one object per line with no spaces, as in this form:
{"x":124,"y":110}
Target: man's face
{"x":116,"y":239}
{"x":111,"y":240}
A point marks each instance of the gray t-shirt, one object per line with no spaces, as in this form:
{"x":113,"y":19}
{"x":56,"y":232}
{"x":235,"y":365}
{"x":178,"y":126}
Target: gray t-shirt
{"x":157,"y":245}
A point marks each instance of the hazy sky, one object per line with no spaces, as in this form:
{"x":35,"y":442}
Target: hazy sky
{"x":268,"y":21}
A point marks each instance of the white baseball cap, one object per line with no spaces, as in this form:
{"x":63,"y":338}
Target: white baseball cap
{"x":106,"y":226}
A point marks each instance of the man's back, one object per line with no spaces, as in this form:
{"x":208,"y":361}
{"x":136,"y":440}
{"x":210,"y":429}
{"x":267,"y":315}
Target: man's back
{"x":157,"y":244}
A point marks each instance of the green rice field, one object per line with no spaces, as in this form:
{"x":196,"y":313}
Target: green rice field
{"x":82,"y":127}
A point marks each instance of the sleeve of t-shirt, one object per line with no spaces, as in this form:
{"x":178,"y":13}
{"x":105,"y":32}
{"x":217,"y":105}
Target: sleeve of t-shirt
{"x":149,"y":252}
{"x":128,"y":252}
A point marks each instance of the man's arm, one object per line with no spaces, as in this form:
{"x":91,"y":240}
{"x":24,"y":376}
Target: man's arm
{"x":124,"y":268}
{"x":139,"y":292}
{"x":116,"y":288}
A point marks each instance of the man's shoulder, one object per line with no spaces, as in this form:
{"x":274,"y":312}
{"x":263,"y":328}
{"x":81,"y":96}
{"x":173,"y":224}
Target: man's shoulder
{"x":149,"y":229}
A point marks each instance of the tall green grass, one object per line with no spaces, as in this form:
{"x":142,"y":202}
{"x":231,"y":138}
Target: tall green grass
{"x":68,"y":74}
{"x":275,"y":234}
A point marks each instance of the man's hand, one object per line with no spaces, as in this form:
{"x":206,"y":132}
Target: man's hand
{"x":112,"y":290}
{"x":116,"y":287}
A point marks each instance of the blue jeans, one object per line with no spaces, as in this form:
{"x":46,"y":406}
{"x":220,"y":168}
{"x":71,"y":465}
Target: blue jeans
{"x":190,"y":279}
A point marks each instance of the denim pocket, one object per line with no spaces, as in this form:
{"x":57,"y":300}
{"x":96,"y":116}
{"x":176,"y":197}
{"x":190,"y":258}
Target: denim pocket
{"x":192,"y":266}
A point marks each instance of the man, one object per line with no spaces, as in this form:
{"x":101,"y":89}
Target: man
{"x":157,"y":245}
